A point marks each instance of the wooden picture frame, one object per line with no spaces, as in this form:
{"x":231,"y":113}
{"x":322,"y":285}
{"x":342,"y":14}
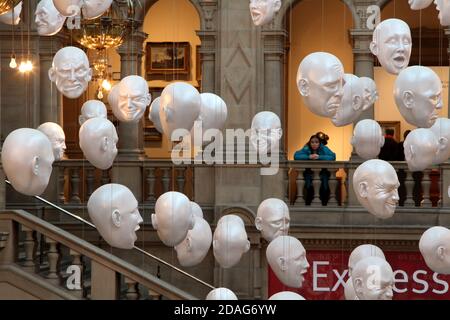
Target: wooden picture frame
{"x":198,"y":65}
{"x":395,"y":125}
{"x":168,"y":61}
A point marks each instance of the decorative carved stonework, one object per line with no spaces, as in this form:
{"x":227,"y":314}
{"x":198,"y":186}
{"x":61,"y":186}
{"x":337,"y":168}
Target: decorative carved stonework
{"x":209,"y":9}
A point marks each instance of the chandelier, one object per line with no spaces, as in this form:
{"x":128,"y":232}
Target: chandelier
{"x":110,"y":29}
{"x":7,"y":5}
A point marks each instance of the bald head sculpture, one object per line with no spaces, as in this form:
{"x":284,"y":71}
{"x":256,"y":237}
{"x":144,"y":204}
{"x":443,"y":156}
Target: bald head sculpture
{"x":272,"y":218}
{"x":56,"y":135}
{"x":133,"y":99}
{"x":320,"y":83}
{"x":434,"y":245}
{"x":373,"y":279}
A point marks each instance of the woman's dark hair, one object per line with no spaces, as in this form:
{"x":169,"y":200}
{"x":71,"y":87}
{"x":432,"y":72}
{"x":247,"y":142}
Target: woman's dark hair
{"x":323,"y":138}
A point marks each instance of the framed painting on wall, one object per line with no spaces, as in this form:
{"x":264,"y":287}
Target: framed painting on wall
{"x":168,"y":61}
{"x":394,"y":125}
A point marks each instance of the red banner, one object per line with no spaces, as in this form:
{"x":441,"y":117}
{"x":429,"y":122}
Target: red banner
{"x":328,"y":273}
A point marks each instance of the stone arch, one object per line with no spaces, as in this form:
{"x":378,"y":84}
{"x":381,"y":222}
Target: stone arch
{"x":141,"y":12}
{"x":288,"y":4}
{"x":246,"y":214}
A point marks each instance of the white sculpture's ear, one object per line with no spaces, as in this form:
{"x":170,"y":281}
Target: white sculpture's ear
{"x":80,"y":119}
{"x":282,"y":263}
{"x":357,"y":285}
{"x":443,"y":142}
{"x":215,"y":244}
{"x":363,"y":189}
{"x":382,"y":141}
{"x":35,"y":165}
{"x":52,"y":74}
{"x":374,"y":48}
{"x":104,"y":145}
{"x":258,"y":222}
{"x":154,"y":221}
{"x":247,"y":246}
{"x":408,"y":99}
{"x":441,"y":252}
{"x":168,"y":113}
{"x":89,"y":75}
{"x":353,"y":141}
{"x":303,"y":86}
{"x":116,"y":218}
{"x":277,"y":5}
{"x":409,"y":153}
{"x":188,"y":244}
{"x":356,"y":103}
{"x":149,"y":99}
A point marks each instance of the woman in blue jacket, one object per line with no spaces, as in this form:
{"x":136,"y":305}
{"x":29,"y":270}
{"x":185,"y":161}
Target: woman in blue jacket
{"x":315,"y":150}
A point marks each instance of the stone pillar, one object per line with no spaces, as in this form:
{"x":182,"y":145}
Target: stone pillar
{"x":131,"y":142}
{"x":363,"y":60}
{"x":49,"y":97}
{"x":447,"y":33}
{"x":208,"y":38}
{"x":274,"y":53}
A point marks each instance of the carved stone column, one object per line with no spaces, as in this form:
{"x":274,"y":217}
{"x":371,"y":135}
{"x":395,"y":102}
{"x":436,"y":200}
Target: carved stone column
{"x":208,"y":38}
{"x":447,"y":33}
{"x":274,"y":54}
{"x":131,"y":143}
{"x":50,"y":98}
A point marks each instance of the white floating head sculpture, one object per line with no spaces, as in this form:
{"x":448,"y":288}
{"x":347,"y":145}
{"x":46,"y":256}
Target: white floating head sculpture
{"x":213,"y":112}
{"x":230,"y":241}
{"x":27,"y":159}
{"x":113,"y":97}
{"x":320,"y":83}
{"x":361,"y":252}
{"x":392,"y":45}
{"x":57,"y":138}
{"x":349,"y":291}
{"x":370,"y":92}
{"x":263,"y":11}
{"x":441,"y":130}
{"x":352,"y":101}
{"x":194,"y":248}
{"x":133,"y":99}
{"x":418,"y":95}
{"x":114,"y":211}
{"x":434,"y":245}
{"x":375,"y":183}
{"x":180,"y":107}
{"x":272,"y":218}
{"x":266,"y":132}
{"x":287,"y":258}
{"x":92,"y":109}
{"x":196,"y":210}
{"x":286,"y":295}
{"x":373,"y":279}
{"x":421,"y":147}
{"x":48,"y":20}
{"x":153,"y":114}
{"x":419,"y":4}
{"x":221,"y":294}
{"x":173,"y":217}
{"x":91,"y":9}
{"x":70,"y":71}
{"x":98,"y":139}
{"x":12,"y":17}
{"x":367,"y":139}
{"x":443,"y":6}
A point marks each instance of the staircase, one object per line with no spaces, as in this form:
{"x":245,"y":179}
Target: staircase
{"x":41,"y":261}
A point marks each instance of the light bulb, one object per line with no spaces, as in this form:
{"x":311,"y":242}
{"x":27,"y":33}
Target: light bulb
{"x":22,"y":67}
{"x":13,"y":63}
{"x":100,"y":94}
{"x":106,"y":85}
{"x":29,"y":65}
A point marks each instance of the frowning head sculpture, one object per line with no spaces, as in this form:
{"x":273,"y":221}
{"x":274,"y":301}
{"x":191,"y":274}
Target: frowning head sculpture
{"x":392,"y":45}
{"x":418,"y":95}
{"x":320,"y":83}
{"x":70,"y":71}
